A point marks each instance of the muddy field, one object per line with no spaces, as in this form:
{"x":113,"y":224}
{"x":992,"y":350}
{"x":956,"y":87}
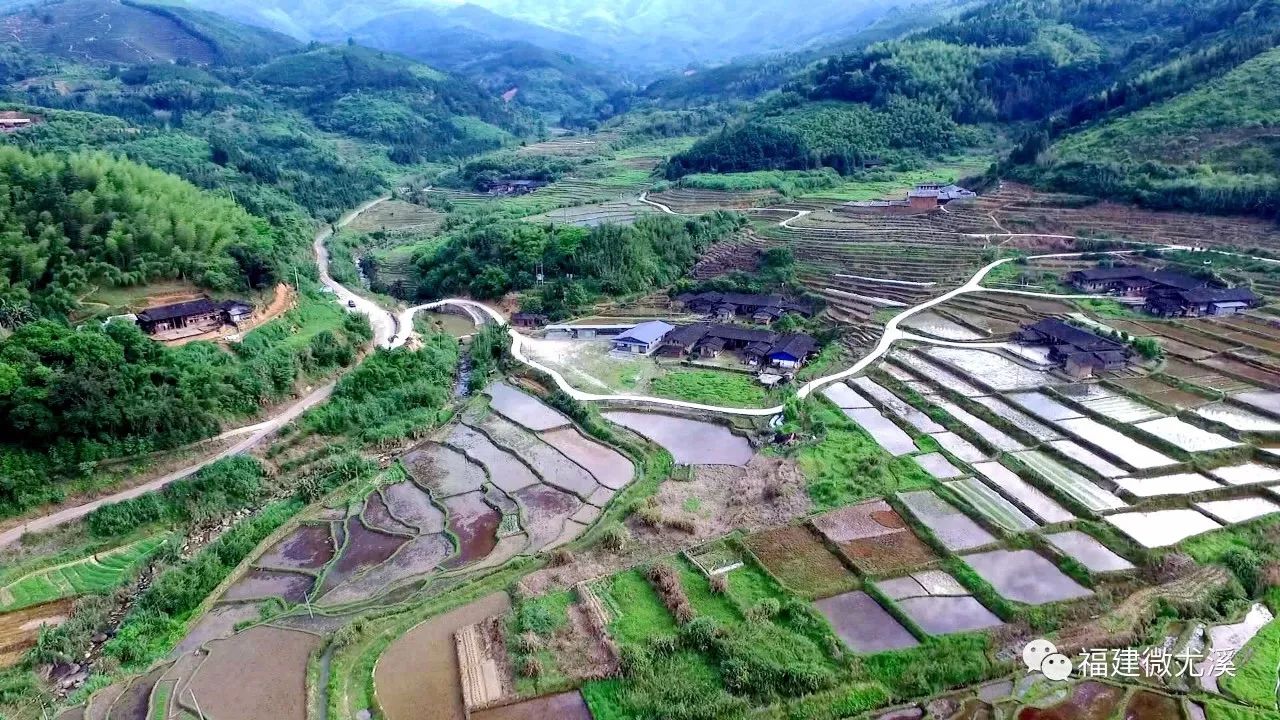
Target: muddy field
{"x":863,"y":625}
{"x":417,"y":676}
{"x":260,"y":672}
{"x":523,"y":409}
{"x":309,"y":547}
{"x":19,"y":629}
{"x":690,"y":442}
{"x":797,"y":558}
{"x":874,"y":538}
{"x":953,"y":528}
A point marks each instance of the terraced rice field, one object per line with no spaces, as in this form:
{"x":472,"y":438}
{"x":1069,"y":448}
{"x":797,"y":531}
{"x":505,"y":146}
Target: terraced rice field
{"x":1162,"y":393}
{"x":1044,"y":406}
{"x":993,"y":436}
{"x":1070,"y":482}
{"x":899,"y":408}
{"x":889,"y":436}
{"x":1087,"y":551}
{"x":953,"y":528}
{"x":1185,"y":435}
{"x":938,"y":603}
{"x":863,"y":625}
{"x":613,"y":212}
{"x":937,"y":465}
{"x":1161,"y":528}
{"x":691,"y":442}
{"x":844,"y":397}
{"x":934,"y":373}
{"x":1114,"y":443}
{"x":1072,"y":450}
{"x":100,"y":572}
{"x":1018,"y":419}
{"x":266,"y":666}
{"x":991,"y":505}
{"x":1238,"y":418}
{"x":874,"y":538}
{"x":1238,"y":510}
{"x":1247,"y":474}
{"x":1178,"y":484}
{"x":1025,"y":576}
{"x":993,"y":369}
{"x":697,"y":201}
{"x":523,"y":409}
{"x":1028,"y":496}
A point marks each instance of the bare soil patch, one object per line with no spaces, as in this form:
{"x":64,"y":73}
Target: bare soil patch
{"x":291,"y":587}
{"x":873,"y":537}
{"x":19,"y":629}
{"x":564,"y":706}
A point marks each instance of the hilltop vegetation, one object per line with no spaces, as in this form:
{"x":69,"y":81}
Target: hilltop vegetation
{"x":1214,"y":148}
{"x":72,"y":223}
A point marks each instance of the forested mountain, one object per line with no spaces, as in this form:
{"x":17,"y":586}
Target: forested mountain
{"x":1039,"y":68}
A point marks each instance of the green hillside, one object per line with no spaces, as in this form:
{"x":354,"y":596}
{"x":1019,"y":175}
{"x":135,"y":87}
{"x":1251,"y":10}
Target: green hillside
{"x":1217,"y":146}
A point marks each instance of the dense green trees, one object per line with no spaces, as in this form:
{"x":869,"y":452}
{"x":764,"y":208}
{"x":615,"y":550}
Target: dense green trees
{"x":70,"y":223}
{"x":227,"y":485}
{"x":72,"y":397}
{"x":488,"y":259}
{"x":846,"y":137}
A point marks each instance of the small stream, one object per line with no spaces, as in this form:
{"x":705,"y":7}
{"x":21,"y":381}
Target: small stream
{"x":322,"y":697}
{"x":462,"y":385}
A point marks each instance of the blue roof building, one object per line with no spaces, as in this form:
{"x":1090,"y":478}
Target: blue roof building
{"x":643,"y":339}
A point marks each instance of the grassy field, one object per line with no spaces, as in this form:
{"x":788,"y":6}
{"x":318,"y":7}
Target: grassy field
{"x":1255,"y":679}
{"x":98,"y":573}
{"x":293,"y":330}
{"x":638,"y":612}
{"x":710,"y":387}
{"x":845,"y":465}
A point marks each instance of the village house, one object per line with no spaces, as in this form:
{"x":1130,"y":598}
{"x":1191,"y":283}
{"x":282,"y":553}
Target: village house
{"x":1080,"y":352}
{"x":924,"y":197}
{"x":511,"y":187}
{"x":758,"y":347}
{"x":528,"y":320}
{"x":1131,"y":280}
{"x":202,"y":313}
{"x":643,"y":339}
{"x":725,"y":306}
{"x":1175,"y":302}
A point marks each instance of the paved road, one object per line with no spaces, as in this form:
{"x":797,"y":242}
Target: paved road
{"x":383,"y":322}
{"x":262,"y":431}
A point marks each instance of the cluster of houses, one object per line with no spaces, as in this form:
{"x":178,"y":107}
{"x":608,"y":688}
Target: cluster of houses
{"x":758,"y":348}
{"x":1079,"y":352}
{"x":509,"y":187}
{"x":728,"y":306}
{"x":202,"y":313}
{"x":1167,"y":293}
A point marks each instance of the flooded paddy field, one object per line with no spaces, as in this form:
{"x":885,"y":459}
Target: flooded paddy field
{"x":1247,"y":474}
{"x":523,"y":409}
{"x":690,"y":442}
{"x":1018,"y":419}
{"x":959,"y":447}
{"x":938,"y":603}
{"x":309,"y":547}
{"x":1238,"y":418}
{"x":292,"y":587}
{"x":417,"y":677}
{"x":863,"y":625}
{"x":409,"y":504}
{"x":1121,"y":408}
{"x":1025,"y":576}
{"x":1114,"y":443}
{"x":1177,"y":484}
{"x":475,"y":524}
{"x":609,"y":467}
{"x":1267,"y":401}
{"x":953,"y":528}
{"x":930,"y":323}
{"x":884,"y":431}
{"x":990,"y":434}
{"x":1070,"y":482}
{"x":1087,"y":551}
{"x":1238,"y":510}
{"x":937,"y":465}
{"x":1044,"y":406}
{"x":843,"y":396}
{"x":549,"y":464}
{"x":260,"y":672}
{"x":1185,"y":435}
{"x":443,"y":471}
{"x":993,"y":369}
{"x":991,"y":505}
{"x":1036,"y":502}
{"x":1160,"y":528}
{"x":1073,"y":451}
{"x":504,"y":469}
{"x":363,"y":549}
{"x":935,"y":373}
{"x":892,"y":404}
{"x":545,"y":511}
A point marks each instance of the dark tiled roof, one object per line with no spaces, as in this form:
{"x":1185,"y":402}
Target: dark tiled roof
{"x":203,"y":306}
{"x":1168,"y":278}
{"x":1217,"y":295}
{"x":1059,"y":332}
{"x":797,"y":346}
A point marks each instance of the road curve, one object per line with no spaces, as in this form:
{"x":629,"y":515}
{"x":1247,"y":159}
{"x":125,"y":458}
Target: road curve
{"x":262,"y":430}
{"x":383,"y":322}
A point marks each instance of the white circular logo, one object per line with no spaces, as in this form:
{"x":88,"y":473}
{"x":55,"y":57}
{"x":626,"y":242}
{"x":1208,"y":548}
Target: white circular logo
{"x":1056,"y":667}
{"x":1035,"y":652}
